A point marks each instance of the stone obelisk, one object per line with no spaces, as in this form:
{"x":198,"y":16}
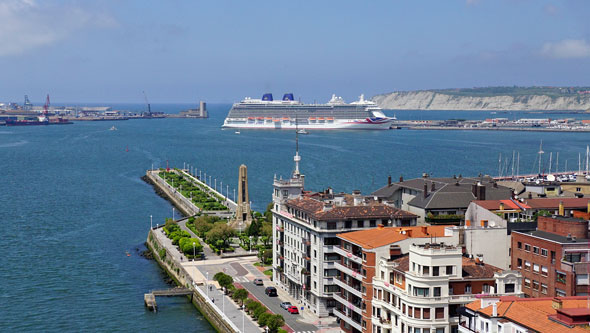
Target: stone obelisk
{"x":243,"y":214}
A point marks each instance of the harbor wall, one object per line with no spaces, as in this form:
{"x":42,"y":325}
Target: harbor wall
{"x":182,"y":278}
{"x":177,"y":199}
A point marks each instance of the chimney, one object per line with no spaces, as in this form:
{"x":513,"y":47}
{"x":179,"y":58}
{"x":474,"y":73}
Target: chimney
{"x":401,"y":179}
{"x":424,"y":175}
{"x":425,"y":192}
{"x":495,"y":184}
{"x":380,"y":226}
{"x":474,"y":190}
{"x":530,"y":195}
{"x":481,"y":192}
{"x":495,"y":310}
{"x":389,"y":181}
{"x":432,"y":187}
{"x":328,"y":206}
{"x":561,"y":208}
{"x":357,"y":199}
{"x":424,"y":230}
{"x":468,"y":223}
{"x":588,"y":209}
{"x":501,"y":205}
{"x":556,"y":303}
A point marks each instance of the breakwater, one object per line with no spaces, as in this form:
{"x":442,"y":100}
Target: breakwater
{"x":169,"y":260}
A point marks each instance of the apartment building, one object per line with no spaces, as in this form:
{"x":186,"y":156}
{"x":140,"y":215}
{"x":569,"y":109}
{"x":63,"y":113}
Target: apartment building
{"x":553,"y":259}
{"x":305,"y":240}
{"x":523,"y":315}
{"x":410,"y":280}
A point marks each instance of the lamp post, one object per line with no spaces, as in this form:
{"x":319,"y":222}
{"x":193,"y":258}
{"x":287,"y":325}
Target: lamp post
{"x":209,"y":181}
{"x":172,"y":213}
{"x":250,"y":244}
{"x":207,"y":284}
{"x":243,"y":311}
{"x":194,"y":253}
{"x":151,"y":225}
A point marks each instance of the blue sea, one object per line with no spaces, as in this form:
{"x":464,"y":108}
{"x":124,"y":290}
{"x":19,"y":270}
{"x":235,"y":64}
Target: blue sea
{"x":73,"y":202}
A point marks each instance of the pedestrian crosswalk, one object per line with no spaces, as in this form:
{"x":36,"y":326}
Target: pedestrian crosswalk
{"x":241,"y":279}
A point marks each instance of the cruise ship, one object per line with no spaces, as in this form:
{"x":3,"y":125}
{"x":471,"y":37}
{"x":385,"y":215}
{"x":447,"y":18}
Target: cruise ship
{"x":288,"y":113}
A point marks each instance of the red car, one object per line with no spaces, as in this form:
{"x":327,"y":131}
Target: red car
{"x":293,"y":310}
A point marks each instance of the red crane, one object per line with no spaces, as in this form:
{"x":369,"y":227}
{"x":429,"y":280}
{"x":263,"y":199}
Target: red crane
{"x":46,"y":106}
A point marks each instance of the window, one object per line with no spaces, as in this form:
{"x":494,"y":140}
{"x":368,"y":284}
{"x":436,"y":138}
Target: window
{"x":535,"y":285}
{"x":527,"y":283}
{"x":331,"y":289}
{"x":573,"y":257}
{"x":439,"y":313}
{"x":536,"y":268}
{"x":426,"y":313}
{"x":449,"y":270}
{"x":426,"y":270}
{"x":468,"y":289}
{"x":348,"y":224}
{"x":486,"y":288}
{"x":560,"y":277}
{"x":436,"y":292}
{"x":519,"y":245}
{"x":435,"y":271}
{"x":372,"y":223}
{"x":544,"y":252}
{"x":519,"y":263}
{"x":360,"y":224}
{"x":398,"y":278}
{"x":559,"y":292}
{"x":440,"y":330}
{"x":535,"y":250}
{"x":315,"y":285}
{"x":544,"y":270}
{"x":527,"y":265}
{"x":543,"y":288}
{"x":423,"y":292}
{"x":527,"y":247}
{"x":410,"y":311}
{"x":509,"y":288}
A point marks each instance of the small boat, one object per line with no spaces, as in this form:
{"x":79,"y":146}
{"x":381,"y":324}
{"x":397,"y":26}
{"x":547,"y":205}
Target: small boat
{"x":237,"y":132}
{"x":113,"y":128}
{"x":302,"y":131}
{"x":127,"y":253}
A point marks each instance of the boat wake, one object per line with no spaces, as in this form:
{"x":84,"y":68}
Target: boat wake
{"x":14,"y":144}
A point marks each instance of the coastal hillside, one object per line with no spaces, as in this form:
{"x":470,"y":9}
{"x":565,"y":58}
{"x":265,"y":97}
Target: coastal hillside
{"x":489,"y":98}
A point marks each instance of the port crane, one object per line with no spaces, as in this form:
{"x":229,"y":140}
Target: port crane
{"x":46,"y":106}
{"x":149,"y":107}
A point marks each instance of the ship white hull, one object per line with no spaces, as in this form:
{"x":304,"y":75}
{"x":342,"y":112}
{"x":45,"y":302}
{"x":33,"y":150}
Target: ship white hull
{"x":380,"y":124}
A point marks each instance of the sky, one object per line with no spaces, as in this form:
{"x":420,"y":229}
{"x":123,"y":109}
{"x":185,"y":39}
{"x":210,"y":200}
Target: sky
{"x":222,"y":51}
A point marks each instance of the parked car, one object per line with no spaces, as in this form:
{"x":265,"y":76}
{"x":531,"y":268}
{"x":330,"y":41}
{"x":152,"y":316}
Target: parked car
{"x":293,"y":309}
{"x":258,"y":282}
{"x":286,"y":305}
{"x":271,"y":291}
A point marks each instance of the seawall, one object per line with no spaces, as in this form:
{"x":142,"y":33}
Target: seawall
{"x":182,"y":278}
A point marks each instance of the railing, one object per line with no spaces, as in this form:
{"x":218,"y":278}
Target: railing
{"x":351,"y":289}
{"x":349,"y":271}
{"x":346,"y":303}
{"x":347,"y":319}
{"x":346,"y":254}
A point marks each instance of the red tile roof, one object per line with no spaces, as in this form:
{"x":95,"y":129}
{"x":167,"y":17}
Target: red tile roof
{"x":495,"y":204}
{"x":554,"y":203}
{"x":373,"y":210}
{"x":534,"y":313}
{"x":381,"y":236}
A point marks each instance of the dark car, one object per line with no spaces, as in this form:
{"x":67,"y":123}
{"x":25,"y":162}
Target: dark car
{"x":293,"y":309}
{"x":286,"y":305}
{"x":258,"y":282}
{"x":271,"y":291}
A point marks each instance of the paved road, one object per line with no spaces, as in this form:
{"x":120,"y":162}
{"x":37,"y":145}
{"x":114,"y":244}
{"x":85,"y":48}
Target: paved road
{"x":273,"y":304}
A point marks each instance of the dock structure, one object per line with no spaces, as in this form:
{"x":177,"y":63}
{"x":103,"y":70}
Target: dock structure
{"x":150,"y":302}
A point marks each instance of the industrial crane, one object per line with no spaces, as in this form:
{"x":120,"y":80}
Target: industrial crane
{"x":149,"y":108}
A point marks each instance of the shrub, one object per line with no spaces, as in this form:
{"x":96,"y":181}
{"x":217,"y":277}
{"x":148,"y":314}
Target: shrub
{"x":162,"y":253}
{"x":275,"y":322}
{"x":240,"y":294}
{"x":252,"y":306}
{"x":262,"y":309}
{"x":186,"y":245}
{"x":264,"y":318}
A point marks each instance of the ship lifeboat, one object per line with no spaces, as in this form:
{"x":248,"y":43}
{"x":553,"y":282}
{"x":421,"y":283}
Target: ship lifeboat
{"x":251,"y":118}
{"x":330,"y":119}
{"x":276,"y":120}
{"x":268,"y":118}
{"x":321,"y":119}
{"x":259,"y":118}
{"x":285,"y":118}
{"x":311,"y":118}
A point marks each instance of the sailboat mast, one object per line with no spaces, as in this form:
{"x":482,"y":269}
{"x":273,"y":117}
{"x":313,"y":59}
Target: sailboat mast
{"x":550,"y":161}
{"x":557,"y":163}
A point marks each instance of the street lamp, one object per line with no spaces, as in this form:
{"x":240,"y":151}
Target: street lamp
{"x":194,"y":254}
{"x":243,"y":314}
{"x":207,"y":284}
{"x":172,"y":213}
{"x":250,"y":244}
{"x":151,"y":225}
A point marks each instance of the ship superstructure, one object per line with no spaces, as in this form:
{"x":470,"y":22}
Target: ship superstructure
{"x":266,"y":113}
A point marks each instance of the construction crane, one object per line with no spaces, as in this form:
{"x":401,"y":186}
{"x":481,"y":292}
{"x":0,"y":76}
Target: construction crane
{"x":149,"y":108}
{"x":46,"y":106}
{"x":28,"y":106}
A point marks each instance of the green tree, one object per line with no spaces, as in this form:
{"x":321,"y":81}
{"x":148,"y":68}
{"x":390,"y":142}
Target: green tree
{"x":223,"y":279}
{"x":262,"y":309}
{"x":264,"y":318}
{"x":252,"y":306}
{"x":186,"y":245}
{"x":240,"y":294}
{"x":266,"y":233}
{"x":220,"y":231}
{"x":275,"y":322}
{"x":203,"y":225}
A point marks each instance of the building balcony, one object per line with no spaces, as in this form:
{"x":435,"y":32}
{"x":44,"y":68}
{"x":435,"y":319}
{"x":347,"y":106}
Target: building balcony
{"x":328,"y":248}
{"x":349,"y":271}
{"x":384,"y":323}
{"x":306,"y":241}
{"x":347,"y":304}
{"x":349,"y":255}
{"x":338,"y":313}
{"x":350,"y":289}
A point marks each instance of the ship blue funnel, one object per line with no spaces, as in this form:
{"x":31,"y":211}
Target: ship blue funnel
{"x":267,"y":97}
{"x":288,"y":97}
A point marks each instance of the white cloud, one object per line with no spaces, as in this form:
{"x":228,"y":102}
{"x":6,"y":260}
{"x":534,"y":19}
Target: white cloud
{"x":26,"y":25}
{"x":567,"y":48}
